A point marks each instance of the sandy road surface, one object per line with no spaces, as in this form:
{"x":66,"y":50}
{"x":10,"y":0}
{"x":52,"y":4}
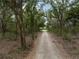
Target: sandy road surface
{"x":45,"y":49}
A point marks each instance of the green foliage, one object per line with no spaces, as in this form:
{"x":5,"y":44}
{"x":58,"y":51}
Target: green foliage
{"x":18,"y":18}
{"x":64,"y":18}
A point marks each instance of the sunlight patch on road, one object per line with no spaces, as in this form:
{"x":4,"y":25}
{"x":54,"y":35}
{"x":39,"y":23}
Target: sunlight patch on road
{"x":44,"y":30}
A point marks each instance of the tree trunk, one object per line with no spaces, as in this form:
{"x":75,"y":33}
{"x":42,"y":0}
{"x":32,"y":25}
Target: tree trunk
{"x":3,"y":24}
{"x":20,"y":25}
{"x":20,"y":29}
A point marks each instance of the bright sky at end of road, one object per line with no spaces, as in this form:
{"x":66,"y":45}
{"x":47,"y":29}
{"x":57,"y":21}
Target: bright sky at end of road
{"x":46,"y":6}
{"x":43,"y":6}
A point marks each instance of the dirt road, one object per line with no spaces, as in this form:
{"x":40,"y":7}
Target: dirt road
{"x":46,"y":49}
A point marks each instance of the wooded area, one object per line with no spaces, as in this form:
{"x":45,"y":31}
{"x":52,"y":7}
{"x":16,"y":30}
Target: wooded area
{"x":22,"y":18}
{"x":63,"y":19}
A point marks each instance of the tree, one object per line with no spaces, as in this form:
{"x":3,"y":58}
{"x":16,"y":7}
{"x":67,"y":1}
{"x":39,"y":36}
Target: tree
{"x":16,"y":6}
{"x":3,"y":16}
{"x":59,"y":11}
{"x":32,"y":13}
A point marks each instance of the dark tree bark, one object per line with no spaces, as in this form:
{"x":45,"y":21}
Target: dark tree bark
{"x":3,"y":17}
{"x":17,"y":8}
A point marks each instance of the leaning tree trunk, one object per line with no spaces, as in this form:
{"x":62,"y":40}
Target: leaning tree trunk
{"x":19,"y":23}
{"x":20,"y":28}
